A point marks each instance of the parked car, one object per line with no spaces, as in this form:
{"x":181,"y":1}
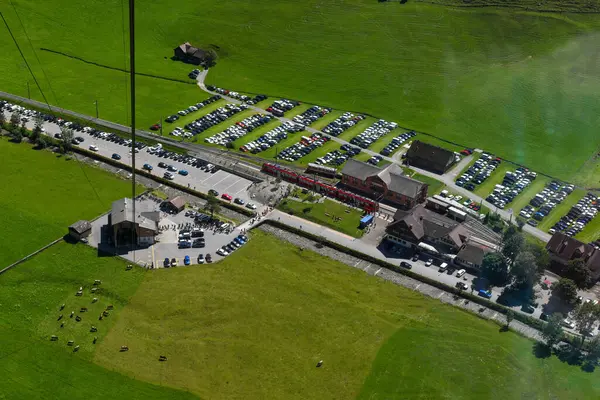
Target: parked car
{"x":485,"y":293}
{"x":162,"y":165}
{"x":115,"y":156}
{"x":186,"y":260}
{"x":528,"y":308}
{"x":239,"y":201}
{"x":251,"y":206}
{"x":460,"y":272}
{"x":183,"y":172}
{"x":213,"y":192}
{"x":226,"y":196}
{"x":167,"y":262}
{"x":93,"y":147}
{"x":406,"y":265}
{"x":429,"y":262}
{"x":462,"y":286}
{"x":147,"y":167}
{"x":173,"y":262}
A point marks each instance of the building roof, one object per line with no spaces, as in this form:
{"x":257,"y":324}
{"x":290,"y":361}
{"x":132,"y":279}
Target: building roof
{"x":437,"y":157}
{"x":81,"y":226}
{"x":392,"y":176}
{"x":191,"y":51}
{"x":472,"y":253}
{"x":177,"y":202}
{"x":425,"y":223}
{"x":568,"y":248}
{"x":122,"y":211}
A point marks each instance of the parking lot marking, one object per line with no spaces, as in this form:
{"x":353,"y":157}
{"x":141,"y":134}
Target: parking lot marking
{"x":416,"y":287}
{"x":375,"y":274}
{"x":365,"y":268}
{"x":358,"y":262}
{"x":494,"y":316}
{"x":233,"y":183}
{"x":441,"y":294}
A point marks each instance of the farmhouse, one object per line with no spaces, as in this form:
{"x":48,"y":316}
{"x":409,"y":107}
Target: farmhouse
{"x":190,"y":54}
{"x":389,"y":184}
{"x":471,"y":254}
{"x":429,"y":157}
{"x":124,"y":230}
{"x":563,"y":249}
{"x":80,"y":230}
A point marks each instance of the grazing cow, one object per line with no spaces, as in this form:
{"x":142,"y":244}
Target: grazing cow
{"x":59,"y":317}
{"x":93,"y":329}
{"x":78,"y":318}
{"x":124,"y":348}
{"x":97,"y":282}
{"x":54,"y":338}
{"x":62,"y":307}
{"x":83,"y":309}
{"x":70,"y":342}
{"x":72,"y":313}
{"x":95,"y":339}
{"x":95,"y":299}
{"x":76,"y":348}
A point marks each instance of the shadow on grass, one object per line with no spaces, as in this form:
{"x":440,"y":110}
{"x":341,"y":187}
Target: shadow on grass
{"x":541,"y":350}
{"x":503,"y":328}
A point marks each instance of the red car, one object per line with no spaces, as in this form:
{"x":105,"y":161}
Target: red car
{"x":155,"y":127}
{"x":226,"y":196}
{"x":466,"y":152}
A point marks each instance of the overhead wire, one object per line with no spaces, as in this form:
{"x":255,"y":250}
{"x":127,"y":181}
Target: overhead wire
{"x":42,"y":91}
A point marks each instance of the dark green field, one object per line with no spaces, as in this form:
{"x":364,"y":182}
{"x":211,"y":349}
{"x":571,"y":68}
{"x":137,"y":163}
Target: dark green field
{"x":520,"y":84}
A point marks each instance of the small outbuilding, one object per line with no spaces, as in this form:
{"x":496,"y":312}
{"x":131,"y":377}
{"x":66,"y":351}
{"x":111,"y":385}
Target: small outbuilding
{"x":176,"y":204}
{"x":80,"y":230}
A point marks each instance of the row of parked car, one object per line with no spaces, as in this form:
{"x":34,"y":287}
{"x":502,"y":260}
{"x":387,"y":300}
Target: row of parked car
{"x":479,"y":171}
{"x":235,"y":244}
{"x":396,"y":142}
{"x":512,"y":185}
{"x":305,"y":146}
{"x":373,"y":133}
{"x":242,"y":97}
{"x":338,"y":157}
{"x":342,"y":123}
{"x":183,"y":158}
{"x":214,"y":117}
{"x":578,"y":216}
{"x":272,"y":137}
{"x":311,"y":115}
{"x":239,"y":129}
{"x":545,"y":201}
{"x":192,"y":108}
{"x":279,"y":107}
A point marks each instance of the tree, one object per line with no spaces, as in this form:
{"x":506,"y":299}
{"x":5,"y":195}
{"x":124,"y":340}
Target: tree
{"x":552,"y":331}
{"x":66,"y":138}
{"x":541,"y":255}
{"x":585,"y":317}
{"x":494,"y":268}
{"x":212,"y":205}
{"x":42,"y":141}
{"x":16,"y":135}
{"x":15,"y":118}
{"x":579,"y":273}
{"x":593,"y":348}
{"x":210,"y":58}
{"x":566,"y":290}
{"x":2,"y":119}
{"x":525,"y":271}
{"x":510,"y":315}
{"x":512,"y":245}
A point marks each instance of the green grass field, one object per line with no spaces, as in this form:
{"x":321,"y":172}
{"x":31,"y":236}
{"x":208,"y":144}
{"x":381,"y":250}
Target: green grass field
{"x":519,"y":84}
{"x":435,"y":186}
{"x":561,"y":210}
{"x":323,"y":212}
{"x":255,"y":325}
{"x":34,"y":367}
{"x":47,"y":194}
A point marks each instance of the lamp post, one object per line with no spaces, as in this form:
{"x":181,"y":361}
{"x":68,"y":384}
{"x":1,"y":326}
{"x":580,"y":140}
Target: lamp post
{"x":96,"y":102}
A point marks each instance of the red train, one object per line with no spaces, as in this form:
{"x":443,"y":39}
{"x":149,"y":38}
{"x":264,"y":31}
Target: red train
{"x":320,"y":187}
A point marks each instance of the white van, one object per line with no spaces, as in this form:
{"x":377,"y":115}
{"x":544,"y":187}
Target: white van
{"x":460,"y":273}
{"x":443,"y":267}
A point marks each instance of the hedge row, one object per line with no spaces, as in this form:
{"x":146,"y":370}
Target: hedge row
{"x":162,"y":180}
{"x":533,"y":322}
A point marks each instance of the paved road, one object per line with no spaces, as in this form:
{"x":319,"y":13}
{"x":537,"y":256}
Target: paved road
{"x":221,"y":156}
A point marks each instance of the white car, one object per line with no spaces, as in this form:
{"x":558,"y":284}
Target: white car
{"x":93,"y":147}
{"x":222,"y":252}
{"x":251,"y":206}
{"x":568,"y":323}
{"x":428,"y":262}
{"x":460,"y":273}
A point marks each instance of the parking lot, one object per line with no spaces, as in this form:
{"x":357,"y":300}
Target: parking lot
{"x":184,"y":170}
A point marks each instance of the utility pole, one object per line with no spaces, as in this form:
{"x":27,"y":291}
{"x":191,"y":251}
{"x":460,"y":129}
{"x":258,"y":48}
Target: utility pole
{"x":132,"y":96}
{"x":96,"y":102}
{"x":160,"y":124}
{"x":28,"y":91}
